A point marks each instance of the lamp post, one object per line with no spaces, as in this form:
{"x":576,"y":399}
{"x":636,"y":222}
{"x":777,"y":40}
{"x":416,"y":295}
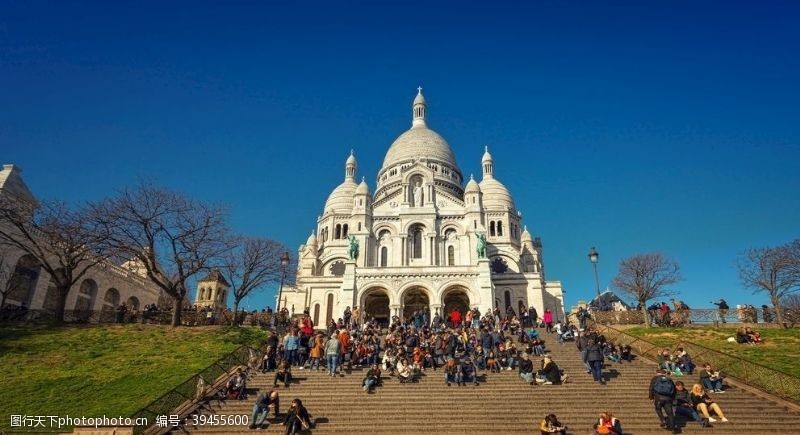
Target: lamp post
{"x":594,"y":256}
{"x":284,"y":264}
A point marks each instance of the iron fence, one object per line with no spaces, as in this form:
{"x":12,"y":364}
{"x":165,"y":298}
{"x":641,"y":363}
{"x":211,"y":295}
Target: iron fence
{"x":694,"y":316}
{"x":775,"y":382}
{"x":189,"y":391}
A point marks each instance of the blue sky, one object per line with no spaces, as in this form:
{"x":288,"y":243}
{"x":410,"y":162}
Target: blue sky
{"x":630,"y":126}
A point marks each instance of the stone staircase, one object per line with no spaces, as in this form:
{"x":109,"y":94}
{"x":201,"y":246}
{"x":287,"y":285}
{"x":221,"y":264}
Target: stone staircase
{"x":501,"y":404}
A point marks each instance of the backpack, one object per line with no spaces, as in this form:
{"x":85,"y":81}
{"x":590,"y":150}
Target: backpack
{"x":664,"y":387}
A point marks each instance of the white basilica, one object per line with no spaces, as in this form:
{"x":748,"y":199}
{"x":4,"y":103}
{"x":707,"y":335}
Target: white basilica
{"x":418,"y":238}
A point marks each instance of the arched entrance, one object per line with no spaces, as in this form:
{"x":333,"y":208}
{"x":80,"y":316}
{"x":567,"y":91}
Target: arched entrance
{"x":22,"y":282}
{"x":415,"y":299}
{"x":86,"y":295}
{"x":376,"y":306}
{"x":455,"y":298}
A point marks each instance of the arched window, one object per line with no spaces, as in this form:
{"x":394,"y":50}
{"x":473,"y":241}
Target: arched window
{"x":508,"y":299}
{"x":344,"y":231}
{"x":329,"y":309}
{"x":316,"y":314}
{"x":337,"y":234}
{"x":359,"y":226}
{"x":384,"y":256}
{"x":416,"y":243}
{"x":499,"y":228}
{"x":451,"y":255}
{"x":491,"y":229}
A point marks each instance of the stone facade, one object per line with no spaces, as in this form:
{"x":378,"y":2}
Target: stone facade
{"x":417,"y":240}
{"x":102,"y":288}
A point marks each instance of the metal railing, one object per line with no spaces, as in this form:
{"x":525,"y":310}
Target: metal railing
{"x":771,"y":381}
{"x":693,"y":316}
{"x":188,"y":392}
{"x":188,"y":317}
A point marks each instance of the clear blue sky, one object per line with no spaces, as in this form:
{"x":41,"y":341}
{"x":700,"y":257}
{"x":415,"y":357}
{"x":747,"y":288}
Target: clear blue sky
{"x":633,"y":126}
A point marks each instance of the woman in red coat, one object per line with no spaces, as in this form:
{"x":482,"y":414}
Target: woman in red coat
{"x":455,"y":318}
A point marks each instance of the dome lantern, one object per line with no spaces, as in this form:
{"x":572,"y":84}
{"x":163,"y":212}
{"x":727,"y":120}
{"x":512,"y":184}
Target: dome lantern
{"x":487,"y":163}
{"x":350,"y":167}
{"x":419,"y":109}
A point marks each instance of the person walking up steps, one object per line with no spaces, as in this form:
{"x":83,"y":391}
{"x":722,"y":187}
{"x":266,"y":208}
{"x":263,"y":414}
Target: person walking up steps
{"x":662,"y":393}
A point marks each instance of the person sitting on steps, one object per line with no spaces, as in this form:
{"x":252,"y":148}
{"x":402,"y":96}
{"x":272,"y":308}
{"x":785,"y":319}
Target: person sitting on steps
{"x":452,"y":372}
{"x":626,"y":352}
{"x":404,"y":371}
{"x":608,"y":425}
{"x":297,"y":418}
{"x":526,"y":369}
{"x":550,"y":425}
{"x":684,"y":405}
{"x":703,"y":403}
{"x":284,"y":374}
{"x":711,"y":379}
{"x":550,"y":374}
{"x":468,"y":373}
{"x":236,"y":388}
{"x":261,"y":408}
{"x":491,"y":363}
{"x":372,"y":379}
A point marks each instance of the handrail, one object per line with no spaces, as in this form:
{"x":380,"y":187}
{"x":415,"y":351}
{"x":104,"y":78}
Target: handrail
{"x":187,"y":390}
{"x":767,"y":379}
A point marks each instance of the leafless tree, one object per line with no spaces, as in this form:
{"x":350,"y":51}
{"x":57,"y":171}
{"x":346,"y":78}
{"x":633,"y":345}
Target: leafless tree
{"x":172,"y":236}
{"x":253,"y":264}
{"x":647,"y":276}
{"x":791,"y":309}
{"x":774,"y":271}
{"x":61,"y":238}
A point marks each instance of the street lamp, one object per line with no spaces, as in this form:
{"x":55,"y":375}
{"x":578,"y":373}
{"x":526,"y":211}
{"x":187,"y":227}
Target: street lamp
{"x":284,"y":264}
{"x":594,"y":256}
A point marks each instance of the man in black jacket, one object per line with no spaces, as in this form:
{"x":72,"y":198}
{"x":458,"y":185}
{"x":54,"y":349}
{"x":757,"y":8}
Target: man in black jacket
{"x":662,"y":393}
{"x":526,"y":369}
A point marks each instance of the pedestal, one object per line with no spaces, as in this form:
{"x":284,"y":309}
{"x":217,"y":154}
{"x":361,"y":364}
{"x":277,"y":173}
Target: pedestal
{"x":349,"y":292}
{"x":485,"y":286}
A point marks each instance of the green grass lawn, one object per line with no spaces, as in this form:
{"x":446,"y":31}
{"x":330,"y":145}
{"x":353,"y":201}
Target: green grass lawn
{"x":104,"y":370}
{"x":780,"y":350}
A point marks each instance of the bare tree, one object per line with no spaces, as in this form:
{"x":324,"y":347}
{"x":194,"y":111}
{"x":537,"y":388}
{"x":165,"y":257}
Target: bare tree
{"x":252,"y":265}
{"x":61,"y":238}
{"x":645,"y":277}
{"x":774,"y":271}
{"x":172,"y":236}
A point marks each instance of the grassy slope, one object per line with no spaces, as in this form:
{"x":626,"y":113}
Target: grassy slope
{"x":780,"y":350}
{"x":103,"y":370}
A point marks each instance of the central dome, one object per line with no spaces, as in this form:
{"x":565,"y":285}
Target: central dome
{"x":420,"y":141}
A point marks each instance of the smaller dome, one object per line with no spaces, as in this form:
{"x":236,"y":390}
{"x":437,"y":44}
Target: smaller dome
{"x":341,"y":199}
{"x":495,"y":195}
{"x":526,"y":236}
{"x":351,"y":160}
{"x":362,"y":188}
{"x":472,"y":186}
{"x":312,"y":240}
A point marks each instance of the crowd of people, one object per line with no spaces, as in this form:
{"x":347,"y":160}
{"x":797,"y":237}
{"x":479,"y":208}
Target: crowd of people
{"x":463,"y":350}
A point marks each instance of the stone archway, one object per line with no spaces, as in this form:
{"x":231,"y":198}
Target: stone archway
{"x":375,"y":304}
{"x":455,"y":297}
{"x":415,"y":299}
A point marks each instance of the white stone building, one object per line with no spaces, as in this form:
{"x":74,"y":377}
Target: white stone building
{"x":417,"y":238}
{"x":103,"y":288}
